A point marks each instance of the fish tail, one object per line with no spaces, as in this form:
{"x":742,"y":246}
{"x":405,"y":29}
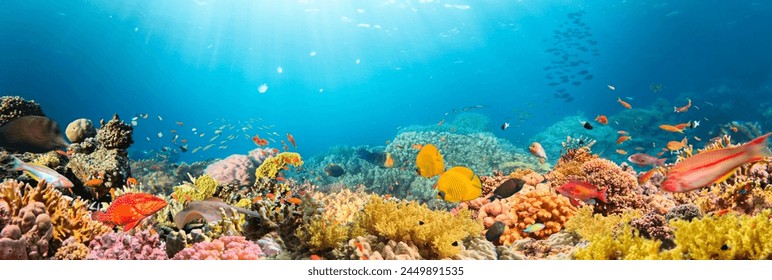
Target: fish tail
{"x":602,"y":195}
{"x":758,"y":147}
{"x":675,"y":109}
{"x":661,"y":162}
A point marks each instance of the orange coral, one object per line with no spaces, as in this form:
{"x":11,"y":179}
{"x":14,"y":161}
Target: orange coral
{"x":527,"y":208}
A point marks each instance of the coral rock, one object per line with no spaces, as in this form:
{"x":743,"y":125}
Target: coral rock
{"x":685,"y":212}
{"x":115,"y":134}
{"x":223,"y":248}
{"x":233,"y":170}
{"x":12,"y":107}
{"x":120,"y":246}
{"x":80,"y":129}
{"x":72,"y":250}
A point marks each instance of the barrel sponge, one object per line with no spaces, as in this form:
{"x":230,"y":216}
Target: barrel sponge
{"x":80,"y":129}
{"x":12,"y":107}
{"x":115,"y":134}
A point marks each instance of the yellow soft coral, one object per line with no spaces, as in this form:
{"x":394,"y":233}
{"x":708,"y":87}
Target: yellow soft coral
{"x":271,"y":166}
{"x":199,"y":188}
{"x":342,"y":206}
{"x":726,"y":237}
{"x":321,"y":235}
{"x":611,"y":237}
{"x":436,"y":233}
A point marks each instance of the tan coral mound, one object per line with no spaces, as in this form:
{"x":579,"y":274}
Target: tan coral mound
{"x":342,"y":206}
{"x":525,"y":209}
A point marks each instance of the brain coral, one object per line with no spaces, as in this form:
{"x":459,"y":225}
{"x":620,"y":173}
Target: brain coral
{"x":233,"y":170}
{"x":12,"y":107}
{"x":80,"y":129}
{"x":115,"y":134}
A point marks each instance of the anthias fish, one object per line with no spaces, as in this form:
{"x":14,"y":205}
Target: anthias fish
{"x":642,"y":160}
{"x":577,"y":190}
{"x":714,"y":166}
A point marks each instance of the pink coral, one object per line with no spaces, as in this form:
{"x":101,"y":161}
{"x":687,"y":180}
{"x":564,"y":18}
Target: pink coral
{"x":233,"y":170}
{"x":28,"y":235}
{"x":238,"y":169}
{"x":120,"y":246}
{"x":223,"y":248}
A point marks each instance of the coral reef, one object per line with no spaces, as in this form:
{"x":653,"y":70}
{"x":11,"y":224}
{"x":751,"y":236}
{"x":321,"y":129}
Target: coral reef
{"x":115,"y":134}
{"x":427,"y":229}
{"x":12,"y":107}
{"x":71,"y":249}
{"x":160,"y":176}
{"x":223,"y":248}
{"x":111,"y":166}
{"x":728,"y":237}
{"x":80,"y":129}
{"x":199,"y":188}
{"x":527,"y":208}
{"x":143,"y":245}
{"x":28,"y":235}
{"x":238,"y":169}
{"x":686,"y":212}
{"x":552,"y":137}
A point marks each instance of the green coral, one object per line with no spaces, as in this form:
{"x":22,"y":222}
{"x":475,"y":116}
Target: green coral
{"x":201,"y":188}
{"x":728,"y":237}
{"x":437,"y":234}
{"x":271,"y":166}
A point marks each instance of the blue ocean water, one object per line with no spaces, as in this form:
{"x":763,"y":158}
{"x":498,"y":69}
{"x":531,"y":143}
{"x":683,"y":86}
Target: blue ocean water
{"x":353,"y":72}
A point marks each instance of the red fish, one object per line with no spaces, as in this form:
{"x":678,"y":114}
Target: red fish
{"x":714,"y":166}
{"x":684,"y":108}
{"x":129,"y":209}
{"x":623,"y":138}
{"x":292,"y":140}
{"x":259,"y":141}
{"x":576,"y":190}
{"x":646,"y":176}
{"x":601,"y":119}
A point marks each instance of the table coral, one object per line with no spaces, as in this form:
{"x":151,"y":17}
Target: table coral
{"x":223,"y":248}
{"x":12,"y":107}
{"x":115,"y":134}
{"x":435,"y":233}
{"x":143,"y":245}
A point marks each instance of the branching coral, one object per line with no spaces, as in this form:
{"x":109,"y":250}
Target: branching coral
{"x":569,"y":164}
{"x":726,"y":237}
{"x":271,"y":166}
{"x":70,"y":218}
{"x":323,"y":235}
{"x":611,"y":237}
{"x":434,"y":232}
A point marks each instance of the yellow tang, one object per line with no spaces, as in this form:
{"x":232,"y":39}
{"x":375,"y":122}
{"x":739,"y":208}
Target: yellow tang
{"x":459,"y":184}
{"x":429,"y":162}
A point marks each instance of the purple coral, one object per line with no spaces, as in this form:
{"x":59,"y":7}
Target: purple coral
{"x":652,"y":226}
{"x":120,"y":246}
{"x":238,"y":169}
{"x":223,"y":248}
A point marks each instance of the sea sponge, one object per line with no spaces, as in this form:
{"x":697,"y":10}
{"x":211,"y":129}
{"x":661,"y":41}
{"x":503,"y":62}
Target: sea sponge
{"x":143,"y":245}
{"x":199,"y":188}
{"x":80,"y":129}
{"x":28,"y":235}
{"x":223,"y":248}
{"x":69,"y":218}
{"x":436,"y":233}
{"x":538,"y":206}
{"x":621,"y":184}
{"x":12,"y":107}
{"x":115,"y":134}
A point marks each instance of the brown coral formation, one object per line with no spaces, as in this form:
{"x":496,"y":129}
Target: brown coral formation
{"x":109,"y":165}
{"x":621,"y":184}
{"x":28,"y":235}
{"x":368,"y":248}
{"x":569,"y":165}
{"x":80,"y":129}
{"x":342,"y":206}
{"x":12,"y":107}
{"x":115,"y":134}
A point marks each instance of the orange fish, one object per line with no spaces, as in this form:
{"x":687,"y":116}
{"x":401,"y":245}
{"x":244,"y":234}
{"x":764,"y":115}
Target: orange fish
{"x":129,"y":209}
{"x":714,"y":166}
{"x":621,"y":152}
{"x":602,"y":119}
{"x":417,"y":146}
{"x":625,"y":104}
{"x":622,"y":132}
{"x":294,"y":200}
{"x":441,"y":122}
{"x":275,"y":150}
{"x":682,"y":126}
{"x":315,"y":257}
{"x":260,"y":142}
{"x":646,"y":176}
{"x":667,"y":127}
{"x":676,"y":145}
{"x":577,"y":190}
{"x":623,"y":138}
{"x":292,"y":140}
{"x":271,"y":196}
{"x":734,"y":129}
{"x":280,"y":179}
{"x":93,"y":183}
{"x":257,"y":198}
{"x":131,"y":181}
{"x":684,"y":108}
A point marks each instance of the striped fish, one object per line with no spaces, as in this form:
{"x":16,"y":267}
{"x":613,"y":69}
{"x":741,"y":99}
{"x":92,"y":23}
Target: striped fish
{"x":39,"y":172}
{"x":714,"y":166}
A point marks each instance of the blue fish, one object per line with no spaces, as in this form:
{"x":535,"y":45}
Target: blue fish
{"x":534,"y":228}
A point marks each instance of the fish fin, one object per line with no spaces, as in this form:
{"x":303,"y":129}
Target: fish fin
{"x":97,"y":215}
{"x":758,"y":147}
{"x":675,"y":109}
{"x":725,"y":176}
{"x":130,"y":226}
{"x":602,"y":195}
{"x":661,"y":162}
{"x":574,"y":202}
